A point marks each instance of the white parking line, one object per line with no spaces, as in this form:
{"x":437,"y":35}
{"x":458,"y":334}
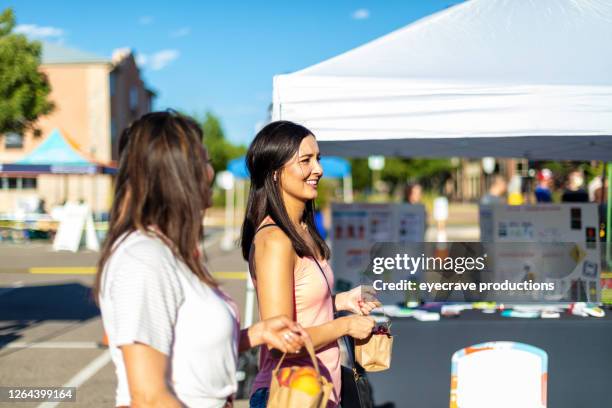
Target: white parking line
{"x":82,"y":376}
{"x":54,"y":345}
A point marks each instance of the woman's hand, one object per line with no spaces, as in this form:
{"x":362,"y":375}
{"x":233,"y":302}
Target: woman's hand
{"x":358,"y":327}
{"x":280,"y":333}
{"x":360,"y":300}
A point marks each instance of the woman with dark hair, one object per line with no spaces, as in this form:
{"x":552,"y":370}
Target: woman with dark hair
{"x":174,"y":335}
{"x":288,"y":257}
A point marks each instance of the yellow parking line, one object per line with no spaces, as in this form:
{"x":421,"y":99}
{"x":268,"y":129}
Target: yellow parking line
{"x":85,"y":270}
{"x":65,"y":270}
{"x":230,"y":275}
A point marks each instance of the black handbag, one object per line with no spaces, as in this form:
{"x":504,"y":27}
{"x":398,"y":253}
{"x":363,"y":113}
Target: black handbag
{"x":356,"y":389}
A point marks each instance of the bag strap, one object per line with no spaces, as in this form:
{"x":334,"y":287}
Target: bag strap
{"x":330,"y":292}
{"x":351,"y":352}
{"x":311,"y":353}
{"x":324,"y":276}
{"x":347,"y":341}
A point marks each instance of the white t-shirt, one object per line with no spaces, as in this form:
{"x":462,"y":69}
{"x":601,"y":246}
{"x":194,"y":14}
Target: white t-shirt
{"x":150,"y":297}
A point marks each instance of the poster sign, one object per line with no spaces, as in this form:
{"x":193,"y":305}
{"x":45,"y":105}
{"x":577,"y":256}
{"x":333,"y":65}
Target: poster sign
{"x":569,"y":229}
{"x":357,"y":227}
{"x":75,"y":219}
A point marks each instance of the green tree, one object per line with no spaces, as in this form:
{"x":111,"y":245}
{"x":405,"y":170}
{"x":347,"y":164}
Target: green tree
{"x":220,"y":150}
{"x":362,"y":178}
{"x":430,"y":172}
{"x":23,"y":89}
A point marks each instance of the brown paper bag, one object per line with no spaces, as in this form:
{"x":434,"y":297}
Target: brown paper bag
{"x":374,"y":353}
{"x":283,"y":396}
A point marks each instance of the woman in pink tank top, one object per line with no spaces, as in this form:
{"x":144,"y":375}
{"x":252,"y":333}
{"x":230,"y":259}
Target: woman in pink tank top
{"x":288,"y":258}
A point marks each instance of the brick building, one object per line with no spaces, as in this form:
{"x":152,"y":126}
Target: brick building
{"x":95,"y":98}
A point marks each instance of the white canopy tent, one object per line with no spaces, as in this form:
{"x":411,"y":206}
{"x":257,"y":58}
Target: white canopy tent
{"x":502,"y":78}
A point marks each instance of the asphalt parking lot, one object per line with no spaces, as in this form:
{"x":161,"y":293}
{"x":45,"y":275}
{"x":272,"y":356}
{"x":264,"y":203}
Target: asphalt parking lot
{"x":50,"y":329}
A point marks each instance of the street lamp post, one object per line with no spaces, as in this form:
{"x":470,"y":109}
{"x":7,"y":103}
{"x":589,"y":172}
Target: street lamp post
{"x":225,"y":180}
{"x":376,"y":164}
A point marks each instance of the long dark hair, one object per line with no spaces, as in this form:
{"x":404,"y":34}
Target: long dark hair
{"x":271,"y":149}
{"x":161,"y":182}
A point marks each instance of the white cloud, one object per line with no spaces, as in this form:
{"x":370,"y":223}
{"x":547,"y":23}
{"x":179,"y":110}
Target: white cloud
{"x":145,"y":20}
{"x":157,"y":60}
{"x":120,"y":53}
{"x":361,"y":14}
{"x":141,"y":60}
{"x":36,"y":31}
{"x":181,"y":32}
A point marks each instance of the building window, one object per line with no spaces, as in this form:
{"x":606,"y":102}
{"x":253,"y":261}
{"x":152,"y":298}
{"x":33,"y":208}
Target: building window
{"x":112,"y":82}
{"x":113,"y":131}
{"x":19,"y":183}
{"x":13,"y":141}
{"x":28,"y":183}
{"x":134,"y":99}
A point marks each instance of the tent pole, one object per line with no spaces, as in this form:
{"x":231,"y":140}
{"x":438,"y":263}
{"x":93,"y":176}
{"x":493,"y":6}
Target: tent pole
{"x":228,"y":236}
{"x":94,"y":194}
{"x":347,"y":188}
{"x":608,"y":217}
{"x":81,"y":187}
{"x":239,"y":201}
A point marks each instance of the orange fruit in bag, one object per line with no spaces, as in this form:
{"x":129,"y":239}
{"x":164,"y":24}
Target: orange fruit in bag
{"x":284,"y":376}
{"x":306,"y":380}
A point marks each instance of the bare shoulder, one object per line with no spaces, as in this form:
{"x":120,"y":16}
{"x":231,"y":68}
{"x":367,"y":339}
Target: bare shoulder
{"x":272,"y":240}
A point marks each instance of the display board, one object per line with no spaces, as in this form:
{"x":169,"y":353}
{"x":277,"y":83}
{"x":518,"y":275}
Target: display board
{"x":357,"y":227}
{"x":567,"y":249}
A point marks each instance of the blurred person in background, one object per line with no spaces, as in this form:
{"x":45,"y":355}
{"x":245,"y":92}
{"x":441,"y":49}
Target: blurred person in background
{"x":288,"y":258}
{"x":174,"y":335}
{"x":593,"y":186}
{"x":543,"y":191}
{"x":600,"y":196}
{"x":413,"y":194}
{"x":497,"y":191}
{"x":574,"y":191}
{"x":42,"y":206}
{"x":515,"y":191}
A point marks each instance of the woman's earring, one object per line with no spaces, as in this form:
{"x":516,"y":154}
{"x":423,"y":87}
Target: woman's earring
{"x":274,"y":176}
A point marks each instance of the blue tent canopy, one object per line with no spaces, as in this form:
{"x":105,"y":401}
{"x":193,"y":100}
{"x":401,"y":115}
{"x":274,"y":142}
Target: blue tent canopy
{"x":56,"y":155}
{"x":55,"y":149}
{"x":333,"y":167}
{"x":238,"y":168}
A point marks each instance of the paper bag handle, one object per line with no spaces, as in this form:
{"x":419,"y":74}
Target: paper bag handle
{"x":311,"y":352}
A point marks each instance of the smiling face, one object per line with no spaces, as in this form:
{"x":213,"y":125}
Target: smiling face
{"x":300,"y":176}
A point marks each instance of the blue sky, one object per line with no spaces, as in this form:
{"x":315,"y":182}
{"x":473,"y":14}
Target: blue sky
{"x":219,"y":56}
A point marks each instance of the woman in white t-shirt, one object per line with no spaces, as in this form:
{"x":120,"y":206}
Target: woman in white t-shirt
{"x":174,"y":335}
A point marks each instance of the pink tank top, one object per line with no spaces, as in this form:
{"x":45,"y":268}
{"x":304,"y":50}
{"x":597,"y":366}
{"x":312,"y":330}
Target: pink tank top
{"x":313,"y":306}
